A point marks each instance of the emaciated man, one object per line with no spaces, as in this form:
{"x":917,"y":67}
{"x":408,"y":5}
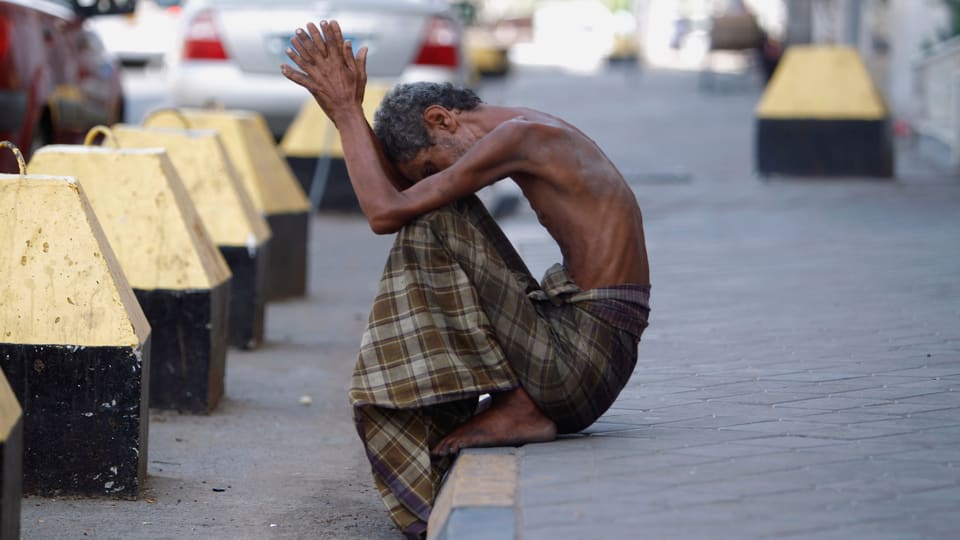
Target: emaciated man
{"x":457,"y":314}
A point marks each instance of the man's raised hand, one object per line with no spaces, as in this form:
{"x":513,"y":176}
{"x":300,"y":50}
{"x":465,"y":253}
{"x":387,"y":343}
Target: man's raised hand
{"x":330,"y":71}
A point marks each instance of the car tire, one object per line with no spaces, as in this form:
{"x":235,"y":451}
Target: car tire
{"x":41,"y":134}
{"x":119,"y":114}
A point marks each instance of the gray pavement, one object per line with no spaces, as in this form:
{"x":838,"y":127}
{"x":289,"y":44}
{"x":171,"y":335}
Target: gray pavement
{"x":797,"y":379}
{"x":262,"y":465}
{"x":799,"y":376}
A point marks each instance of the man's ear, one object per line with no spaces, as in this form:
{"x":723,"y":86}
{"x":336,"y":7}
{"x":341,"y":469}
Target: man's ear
{"x":439,"y":117}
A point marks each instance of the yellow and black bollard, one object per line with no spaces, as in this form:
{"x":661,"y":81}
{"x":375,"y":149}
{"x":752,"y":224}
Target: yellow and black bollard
{"x":74,"y":343}
{"x":313,"y":150}
{"x":177,"y":273}
{"x":223,"y":203}
{"x":821,"y":115}
{"x":272,"y":187}
{"x":11,"y":461}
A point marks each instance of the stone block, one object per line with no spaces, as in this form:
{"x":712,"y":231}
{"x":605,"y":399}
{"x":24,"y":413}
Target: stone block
{"x":74,"y":345}
{"x":226,"y":208}
{"x":168,"y":258}
{"x":270,"y":183}
{"x":821,"y":115}
{"x":11,"y":462}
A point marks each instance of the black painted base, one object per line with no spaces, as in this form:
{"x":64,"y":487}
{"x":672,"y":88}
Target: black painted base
{"x":287,"y":276}
{"x":303,"y":168}
{"x":336,"y":194}
{"x":824,"y":147}
{"x":84,"y":417}
{"x":11,"y":482}
{"x":248,"y":294}
{"x":189,"y":353}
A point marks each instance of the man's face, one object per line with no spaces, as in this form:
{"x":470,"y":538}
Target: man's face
{"x":445,"y":151}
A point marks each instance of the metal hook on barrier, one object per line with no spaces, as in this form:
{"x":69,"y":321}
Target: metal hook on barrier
{"x":167,"y":110}
{"x":21,"y":163}
{"x":100,"y":130}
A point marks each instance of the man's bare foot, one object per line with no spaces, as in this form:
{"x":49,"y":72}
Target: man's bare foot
{"x":512,"y":419}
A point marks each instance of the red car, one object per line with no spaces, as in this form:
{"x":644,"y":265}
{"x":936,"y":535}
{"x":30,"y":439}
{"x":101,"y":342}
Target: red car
{"x":56,"y":79}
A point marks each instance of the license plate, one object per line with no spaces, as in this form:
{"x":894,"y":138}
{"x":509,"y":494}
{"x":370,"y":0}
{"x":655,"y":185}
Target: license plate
{"x":277,"y":46}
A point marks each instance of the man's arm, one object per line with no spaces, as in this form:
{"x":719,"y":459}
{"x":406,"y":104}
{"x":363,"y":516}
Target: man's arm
{"x":336,"y":78}
{"x":499,"y":154}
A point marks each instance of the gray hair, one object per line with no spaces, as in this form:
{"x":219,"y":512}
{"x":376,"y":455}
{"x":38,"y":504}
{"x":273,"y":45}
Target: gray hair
{"x":398,"y":123}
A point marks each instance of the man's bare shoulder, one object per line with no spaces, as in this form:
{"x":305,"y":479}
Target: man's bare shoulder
{"x":534,"y":119}
{"x":538,"y":134}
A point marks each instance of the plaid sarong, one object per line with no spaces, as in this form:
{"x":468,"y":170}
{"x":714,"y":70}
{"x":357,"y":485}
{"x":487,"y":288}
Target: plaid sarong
{"x":458,"y":315}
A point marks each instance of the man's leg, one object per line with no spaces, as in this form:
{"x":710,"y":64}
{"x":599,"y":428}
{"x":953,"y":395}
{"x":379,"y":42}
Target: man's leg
{"x":407,"y":477}
{"x":430,"y":345}
{"x":570,"y":364}
{"x":451,"y":321}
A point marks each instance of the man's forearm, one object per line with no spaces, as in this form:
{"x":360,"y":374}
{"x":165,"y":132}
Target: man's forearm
{"x":336,"y":79}
{"x":377,"y":185}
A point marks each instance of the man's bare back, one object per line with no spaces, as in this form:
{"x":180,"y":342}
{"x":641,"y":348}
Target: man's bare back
{"x":576,"y":192}
{"x":585,"y":204}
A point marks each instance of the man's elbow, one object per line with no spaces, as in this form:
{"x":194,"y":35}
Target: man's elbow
{"x":385,"y":218}
{"x":383,"y":223}
{"x":384,"y":226}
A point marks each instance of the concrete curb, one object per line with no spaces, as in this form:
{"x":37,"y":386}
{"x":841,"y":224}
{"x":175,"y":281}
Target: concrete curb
{"x":478,"y":500}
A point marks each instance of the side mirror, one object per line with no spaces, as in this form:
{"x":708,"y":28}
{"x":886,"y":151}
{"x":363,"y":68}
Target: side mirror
{"x":89,"y":8}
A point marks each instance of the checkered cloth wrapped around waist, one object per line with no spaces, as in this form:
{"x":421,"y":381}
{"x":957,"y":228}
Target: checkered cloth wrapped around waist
{"x":626,"y":307}
{"x":457,"y":314}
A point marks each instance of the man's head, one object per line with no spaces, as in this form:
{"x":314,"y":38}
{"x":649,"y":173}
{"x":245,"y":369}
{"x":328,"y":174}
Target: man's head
{"x":413,"y":124}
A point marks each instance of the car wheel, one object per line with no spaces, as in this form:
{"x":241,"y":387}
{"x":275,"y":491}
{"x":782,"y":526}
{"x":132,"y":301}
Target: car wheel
{"x":120,"y":112}
{"x":41,"y":135}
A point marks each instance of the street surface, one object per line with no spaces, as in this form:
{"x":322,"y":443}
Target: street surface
{"x":798,"y":379}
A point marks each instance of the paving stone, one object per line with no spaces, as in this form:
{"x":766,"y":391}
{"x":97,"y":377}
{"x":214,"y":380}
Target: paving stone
{"x":944,"y":456}
{"x":852,"y":432}
{"x":834,"y":403}
{"x":856,"y":530}
{"x":939,"y":399}
{"x":775,"y":395}
{"x":894,"y":393}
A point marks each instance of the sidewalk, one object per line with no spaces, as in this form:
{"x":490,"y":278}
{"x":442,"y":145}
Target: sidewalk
{"x":262,"y":465}
{"x":799,"y":378}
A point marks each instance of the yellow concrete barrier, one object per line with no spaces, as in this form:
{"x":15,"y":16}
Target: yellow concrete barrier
{"x":268,"y":179}
{"x":74,"y":343}
{"x":11,"y":461}
{"x":821,"y":114}
{"x":236,"y":227}
{"x":314,"y":152}
{"x":179,"y":277}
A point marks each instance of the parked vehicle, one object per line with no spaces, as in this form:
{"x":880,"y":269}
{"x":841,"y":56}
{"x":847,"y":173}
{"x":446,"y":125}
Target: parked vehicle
{"x":142,"y":38}
{"x":229,"y":51}
{"x":56,"y":79}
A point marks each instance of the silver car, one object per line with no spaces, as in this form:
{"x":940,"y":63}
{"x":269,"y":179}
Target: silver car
{"x":229,"y":52}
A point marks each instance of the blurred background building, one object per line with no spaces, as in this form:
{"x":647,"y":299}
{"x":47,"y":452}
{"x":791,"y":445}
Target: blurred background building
{"x":908,"y":46}
{"x":910,"y":49}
